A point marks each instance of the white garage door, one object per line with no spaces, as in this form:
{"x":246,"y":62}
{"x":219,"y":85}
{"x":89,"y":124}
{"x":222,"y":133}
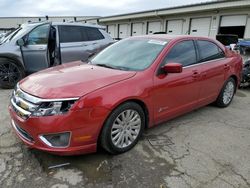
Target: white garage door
{"x":154,"y":27}
{"x":111,"y":30}
{"x":200,"y":26}
{"x":174,"y":27}
{"x":239,"y":20}
{"x":123,"y":31}
{"x":137,"y":29}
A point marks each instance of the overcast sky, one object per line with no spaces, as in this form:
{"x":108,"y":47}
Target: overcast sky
{"x":83,"y":7}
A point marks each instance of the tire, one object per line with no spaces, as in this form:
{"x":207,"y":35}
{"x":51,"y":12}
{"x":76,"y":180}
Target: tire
{"x":227,"y":93}
{"x":10,"y":73}
{"x":128,"y":128}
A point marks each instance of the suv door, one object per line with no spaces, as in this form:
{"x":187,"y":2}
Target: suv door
{"x":72,"y":42}
{"x":213,"y":65}
{"x":35,"y":50}
{"x":78,"y":42}
{"x":177,"y":93}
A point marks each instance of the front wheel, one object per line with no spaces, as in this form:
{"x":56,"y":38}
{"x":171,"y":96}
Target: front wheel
{"x":10,"y":73}
{"x":123,"y":128}
{"x":227,"y":93}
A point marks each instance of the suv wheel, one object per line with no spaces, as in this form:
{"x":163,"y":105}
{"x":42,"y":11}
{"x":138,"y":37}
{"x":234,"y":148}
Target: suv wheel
{"x":10,"y":73}
{"x":227,"y":93}
{"x":123,"y":128}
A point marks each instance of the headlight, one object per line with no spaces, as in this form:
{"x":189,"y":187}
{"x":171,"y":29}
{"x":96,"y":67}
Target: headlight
{"x":53,"y":108}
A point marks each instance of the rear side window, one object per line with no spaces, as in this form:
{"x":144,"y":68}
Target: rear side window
{"x":79,"y":34}
{"x":183,"y":53}
{"x":93,"y":34}
{"x":209,"y":51}
{"x":71,"y":34}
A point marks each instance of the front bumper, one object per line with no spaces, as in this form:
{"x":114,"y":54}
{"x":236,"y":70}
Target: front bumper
{"x":83,"y":126}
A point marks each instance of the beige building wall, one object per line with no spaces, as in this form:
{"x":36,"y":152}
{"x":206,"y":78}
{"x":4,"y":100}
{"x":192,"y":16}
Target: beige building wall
{"x":214,"y":15}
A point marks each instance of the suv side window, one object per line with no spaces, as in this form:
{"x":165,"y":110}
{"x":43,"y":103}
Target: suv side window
{"x":93,"y":34}
{"x":183,"y":53}
{"x":79,"y":34}
{"x":209,"y":51}
{"x":70,"y":34}
{"x":39,"y":35}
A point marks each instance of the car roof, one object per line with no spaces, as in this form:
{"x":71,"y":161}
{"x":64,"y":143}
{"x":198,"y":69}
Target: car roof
{"x":171,"y":37}
{"x":78,"y":24}
{"x":34,"y":24}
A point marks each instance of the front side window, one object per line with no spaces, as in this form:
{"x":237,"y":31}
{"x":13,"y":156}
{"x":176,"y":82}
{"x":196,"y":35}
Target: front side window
{"x":183,"y":53}
{"x":39,"y":35}
{"x":209,"y":51}
{"x":130,"y":54}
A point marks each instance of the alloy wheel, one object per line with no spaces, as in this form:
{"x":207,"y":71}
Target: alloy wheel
{"x":9,"y":73}
{"x":126,"y":128}
{"x":228,"y":92}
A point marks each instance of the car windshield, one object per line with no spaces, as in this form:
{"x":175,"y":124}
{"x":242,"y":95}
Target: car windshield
{"x":16,"y":34}
{"x":130,"y":54}
{"x":8,"y":35}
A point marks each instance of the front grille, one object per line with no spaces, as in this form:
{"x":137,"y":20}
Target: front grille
{"x":22,"y":132}
{"x":21,"y":105}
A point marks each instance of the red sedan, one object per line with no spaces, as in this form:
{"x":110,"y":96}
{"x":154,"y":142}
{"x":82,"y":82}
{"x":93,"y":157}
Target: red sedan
{"x":134,"y":84}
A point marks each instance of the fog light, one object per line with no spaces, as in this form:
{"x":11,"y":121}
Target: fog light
{"x":56,"y":140}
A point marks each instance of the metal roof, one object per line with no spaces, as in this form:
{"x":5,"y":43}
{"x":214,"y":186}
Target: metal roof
{"x":209,"y":5}
{"x":83,"y":17}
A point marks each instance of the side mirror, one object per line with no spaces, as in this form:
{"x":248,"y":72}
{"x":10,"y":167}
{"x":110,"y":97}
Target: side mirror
{"x":172,"y":68}
{"x":20,"y":42}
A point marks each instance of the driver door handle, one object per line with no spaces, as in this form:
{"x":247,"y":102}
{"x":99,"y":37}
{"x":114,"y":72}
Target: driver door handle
{"x":226,"y":67}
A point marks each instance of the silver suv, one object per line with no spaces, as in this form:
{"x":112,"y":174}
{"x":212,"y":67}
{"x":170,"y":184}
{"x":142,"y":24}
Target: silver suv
{"x":36,"y":46}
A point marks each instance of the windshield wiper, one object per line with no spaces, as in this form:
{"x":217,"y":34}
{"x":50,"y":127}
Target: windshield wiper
{"x":122,"y":68}
{"x":105,"y":65}
{"x":112,"y":66}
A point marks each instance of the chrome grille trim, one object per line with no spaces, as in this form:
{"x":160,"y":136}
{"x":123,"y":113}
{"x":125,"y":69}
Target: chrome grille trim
{"x":30,"y":106}
{"x":25,"y":104}
{"x":24,"y":112}
{"x":36,"y":100}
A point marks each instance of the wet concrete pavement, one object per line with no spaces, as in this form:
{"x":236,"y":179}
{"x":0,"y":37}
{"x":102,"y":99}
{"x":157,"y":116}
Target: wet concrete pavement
{"x":207,"y":148}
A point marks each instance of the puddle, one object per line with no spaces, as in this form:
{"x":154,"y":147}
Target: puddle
{"x":96,"y":168}
{"x":240,"y":94}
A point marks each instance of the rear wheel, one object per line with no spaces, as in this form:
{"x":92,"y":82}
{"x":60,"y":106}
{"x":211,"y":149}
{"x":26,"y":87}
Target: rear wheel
{"x":123,"y":128}
{"x":10,"y":73}
{"x":227,"y":93}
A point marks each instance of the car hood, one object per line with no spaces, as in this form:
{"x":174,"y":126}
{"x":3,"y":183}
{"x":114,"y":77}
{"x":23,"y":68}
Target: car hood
{"x":71,"y":80}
